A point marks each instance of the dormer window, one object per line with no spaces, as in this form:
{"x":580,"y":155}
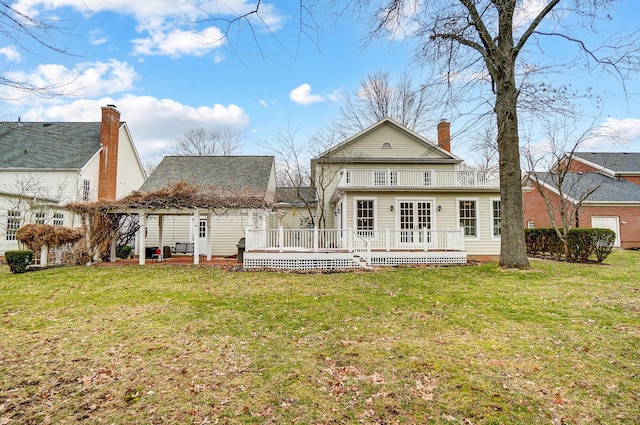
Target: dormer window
{"x":386,"y":145}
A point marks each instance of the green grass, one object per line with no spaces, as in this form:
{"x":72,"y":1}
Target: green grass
{"x":558,"y":344}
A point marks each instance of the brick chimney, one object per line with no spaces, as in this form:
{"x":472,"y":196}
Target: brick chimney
{"x":444,"y":135}
{"x":109,"y":130}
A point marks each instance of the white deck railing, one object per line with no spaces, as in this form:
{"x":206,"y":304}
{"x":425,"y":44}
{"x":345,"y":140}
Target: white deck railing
{"x":347,"y":240}
{"x":381,"y":178}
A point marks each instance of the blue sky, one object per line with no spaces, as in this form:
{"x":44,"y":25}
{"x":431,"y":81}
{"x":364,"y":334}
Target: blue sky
{"x":167,"y":75}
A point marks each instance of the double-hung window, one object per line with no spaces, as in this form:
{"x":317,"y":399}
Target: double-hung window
{"x":13,"y":224}
{"x":86,"y":190}
{"x":58,"y":219}
{"x":468,"y":213}
{"x":496,"y":218}
{"x":40,"y":217}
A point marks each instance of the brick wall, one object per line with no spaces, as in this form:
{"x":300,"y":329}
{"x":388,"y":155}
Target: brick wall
{"x":629,"y":216}
{"x":629,"y":222}
{"x":109,"y":132}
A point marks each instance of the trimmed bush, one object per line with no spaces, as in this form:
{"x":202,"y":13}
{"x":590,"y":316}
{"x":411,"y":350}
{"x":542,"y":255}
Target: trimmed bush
{"x":18,"y":260}
{"x":585,"y":242}
{"x":543,"y":241}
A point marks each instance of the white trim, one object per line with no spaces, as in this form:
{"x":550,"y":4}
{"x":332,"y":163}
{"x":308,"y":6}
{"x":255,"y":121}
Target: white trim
{"x":477,"y":201}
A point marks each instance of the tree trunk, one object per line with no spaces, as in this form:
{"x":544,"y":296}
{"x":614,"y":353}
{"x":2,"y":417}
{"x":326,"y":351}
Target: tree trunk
{"x":513,"y":250}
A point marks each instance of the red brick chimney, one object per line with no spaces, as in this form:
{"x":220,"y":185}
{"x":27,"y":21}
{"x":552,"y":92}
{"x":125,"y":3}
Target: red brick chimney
{"x":109,"y":131}
{"x":444,"y":135}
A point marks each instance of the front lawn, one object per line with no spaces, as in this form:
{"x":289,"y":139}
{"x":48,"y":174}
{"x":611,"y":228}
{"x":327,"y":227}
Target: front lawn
{"x":559,"y":344}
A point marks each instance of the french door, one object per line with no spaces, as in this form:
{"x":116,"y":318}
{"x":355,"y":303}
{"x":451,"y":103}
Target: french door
{"x":414,"y":217}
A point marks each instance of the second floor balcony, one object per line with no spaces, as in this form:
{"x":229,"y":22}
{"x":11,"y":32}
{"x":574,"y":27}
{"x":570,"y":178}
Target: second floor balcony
{"x":414,"y":179}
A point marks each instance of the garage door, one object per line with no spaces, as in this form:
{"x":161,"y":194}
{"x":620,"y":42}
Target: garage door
{"x":607,"y":223}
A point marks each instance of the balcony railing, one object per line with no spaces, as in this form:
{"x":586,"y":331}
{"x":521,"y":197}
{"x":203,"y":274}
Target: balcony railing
{"x":348,"y":240}
{"x":388,"y":178}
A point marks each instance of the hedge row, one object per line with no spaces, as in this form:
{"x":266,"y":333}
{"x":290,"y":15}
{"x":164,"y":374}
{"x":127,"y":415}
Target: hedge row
{"x":18,"y":260}
{"x":583,"y":243}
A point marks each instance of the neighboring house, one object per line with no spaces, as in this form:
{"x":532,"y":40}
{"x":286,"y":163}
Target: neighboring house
{"x":614,"y":179}
{"x":388,"y":196}
{"x":45,"y":165}
{"x":295,"y":207}
{"x":216,"y":231}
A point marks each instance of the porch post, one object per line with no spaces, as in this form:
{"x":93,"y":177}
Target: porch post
{"x":160,"y":239}
{"x":461,"y":236}
{"x":281,"y":238}
{"x":349,"y":239}
{"x":209,"y":234}
{"x":248,"y":239}
{"x":196,"y":236}
{"x":112,"y":251}
{"x":388,"y":241}
{"x":44,"y":255}
{"x":142,"y":219}
{"x":315,"y":239}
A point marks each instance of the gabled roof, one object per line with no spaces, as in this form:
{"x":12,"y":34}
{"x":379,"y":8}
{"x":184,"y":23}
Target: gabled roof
{"x":55,"y":145}
{"x":429,"y":145}
{"x":231,"y":172}
{"x":614,"y":163}
{"x":608,"y":190}
{"x":296,"y":196}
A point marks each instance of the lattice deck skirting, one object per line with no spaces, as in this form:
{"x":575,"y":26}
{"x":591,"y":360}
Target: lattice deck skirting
{"x":333,"y":261}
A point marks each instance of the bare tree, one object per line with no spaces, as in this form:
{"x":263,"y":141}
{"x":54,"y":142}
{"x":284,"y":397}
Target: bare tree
{"x":492,"y":42}
{"x":378,"y":97}
{"x":201,"y":142}
{"x":552,"y":174}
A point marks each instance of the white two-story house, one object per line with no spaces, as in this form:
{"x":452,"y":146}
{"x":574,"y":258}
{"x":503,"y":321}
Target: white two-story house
{"x":46,"y":165}
{"x":388,"y":196}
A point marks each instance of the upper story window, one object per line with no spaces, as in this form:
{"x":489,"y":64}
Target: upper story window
{"x":13,"y":224}
{"x":468,"y":217}
{"x":58,"y":219}
{"x":40,"y":217}
{"x":426,"y":178}
{"x":86,"y":190}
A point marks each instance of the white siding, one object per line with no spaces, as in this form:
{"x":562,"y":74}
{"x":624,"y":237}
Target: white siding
{"x":370,"y":145}
{"x":130,"y":172}
{"x":226,"y":231}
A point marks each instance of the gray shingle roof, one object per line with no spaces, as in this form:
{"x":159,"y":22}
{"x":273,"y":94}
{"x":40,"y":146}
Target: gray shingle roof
{"x":618,"y":162}
{"x":232,"y":172}
{"x":57,"y":145}
{"x":608,"y":189}
{"x":296,"y":196}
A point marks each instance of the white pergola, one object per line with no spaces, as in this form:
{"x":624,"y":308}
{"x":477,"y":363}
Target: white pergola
{"x":196,"y":213}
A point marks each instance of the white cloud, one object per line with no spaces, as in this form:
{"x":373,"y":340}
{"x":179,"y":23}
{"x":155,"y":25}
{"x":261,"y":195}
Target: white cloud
{"x":86,"y":79}
{"x":302,"y":95}
{"x":155,"y":124}
{"x":168,"y":27}
{"x":11,"y":54}
{"x":613,"y":133}
{"x":176,"y":43}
